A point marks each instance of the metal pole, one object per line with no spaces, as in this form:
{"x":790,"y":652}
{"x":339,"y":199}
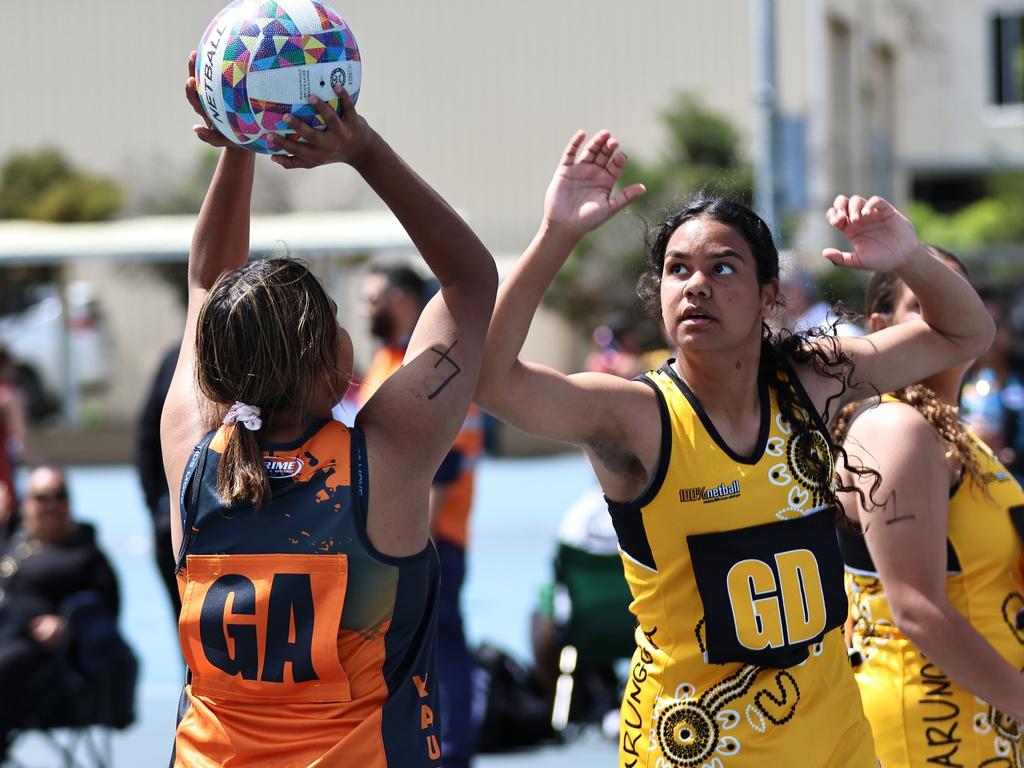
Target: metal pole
{"x":70,"y":404}
{"x":765,"y":98}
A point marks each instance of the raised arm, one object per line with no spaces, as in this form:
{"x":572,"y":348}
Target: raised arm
{"x":906,"y":536}
{"x":537,"y":399}
{"x":411,"y":421}
{"x":954,"y":324}
{"x":220,"y":242}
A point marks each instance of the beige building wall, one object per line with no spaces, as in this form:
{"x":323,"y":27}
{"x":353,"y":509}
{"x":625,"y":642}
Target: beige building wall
{"x":145,"y":316}
{"x":480,"y":97}
{"x":950,"y":120}
{"x":851,"y":105}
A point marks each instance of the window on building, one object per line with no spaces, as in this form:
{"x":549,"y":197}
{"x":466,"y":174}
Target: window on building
{"x":1008,"y":57}
{"x":948,"y":191}
{"x":841,"y":105}
{"x":883,"y":122}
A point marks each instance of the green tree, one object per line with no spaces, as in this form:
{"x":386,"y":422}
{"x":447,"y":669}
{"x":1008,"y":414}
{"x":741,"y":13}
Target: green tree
{"x":988,"y":233}
{"x":702,"y":154}
{"x":991,"y":221}
{"x":43,"y":185}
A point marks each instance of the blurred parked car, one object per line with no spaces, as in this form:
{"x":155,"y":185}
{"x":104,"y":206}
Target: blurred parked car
{"x":34,"y":339}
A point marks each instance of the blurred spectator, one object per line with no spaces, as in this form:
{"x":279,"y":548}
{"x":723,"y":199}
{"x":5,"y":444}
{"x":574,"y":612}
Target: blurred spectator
{"x":805,"y":309}
{"x":992,"y":399}
{"x":620,"y":350}
{"x":49,"y":561}
{"x":150,"y":465}
{"x":12,"y":441}
{"x":393,"y":298}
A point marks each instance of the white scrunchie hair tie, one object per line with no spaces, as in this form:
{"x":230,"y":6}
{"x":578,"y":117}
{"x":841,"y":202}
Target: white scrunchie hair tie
{"x":248,"y":415}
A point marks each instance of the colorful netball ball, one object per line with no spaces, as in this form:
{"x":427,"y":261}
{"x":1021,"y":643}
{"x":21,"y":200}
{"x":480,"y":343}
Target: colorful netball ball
{"x":260,"y":60}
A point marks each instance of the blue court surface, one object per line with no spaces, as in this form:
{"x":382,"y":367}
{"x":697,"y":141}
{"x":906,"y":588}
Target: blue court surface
{"x":518,"y":506}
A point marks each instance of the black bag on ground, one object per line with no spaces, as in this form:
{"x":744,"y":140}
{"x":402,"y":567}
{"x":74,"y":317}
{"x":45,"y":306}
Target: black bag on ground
{"x":515,"y":712}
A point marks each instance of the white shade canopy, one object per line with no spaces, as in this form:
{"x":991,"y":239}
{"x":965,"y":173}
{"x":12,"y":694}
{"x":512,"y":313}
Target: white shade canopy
{"x":167,"y":238}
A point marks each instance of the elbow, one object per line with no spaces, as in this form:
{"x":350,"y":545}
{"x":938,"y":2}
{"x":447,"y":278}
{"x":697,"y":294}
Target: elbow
{"x":493,"y":388}
{"x":488,"y":281}
{"x":484,"y":400}
{"x":489,"y":286}
{"x":973,"y":335}
{"x":488,"y":391}
{"x":917,"y":616}
{"x":485,"y":292}
{"x":477,"y":285}
{"x":202,"y":279}
{"x":985,"y":336}
{"x":481,"y":395}
{"x":976,"y":335}
{"x":476,"y":265}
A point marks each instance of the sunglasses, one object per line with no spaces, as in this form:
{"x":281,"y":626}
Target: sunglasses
{"x":61,"y":495}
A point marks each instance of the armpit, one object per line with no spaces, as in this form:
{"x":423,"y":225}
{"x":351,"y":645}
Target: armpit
{"x":616,"y":458}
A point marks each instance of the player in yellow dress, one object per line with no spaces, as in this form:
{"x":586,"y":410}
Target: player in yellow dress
{"x":718,"y":468}
{"x":935,"y":582}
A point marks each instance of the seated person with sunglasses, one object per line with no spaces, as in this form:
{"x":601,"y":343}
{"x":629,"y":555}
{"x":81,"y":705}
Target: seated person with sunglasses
{"x":49,"y":561}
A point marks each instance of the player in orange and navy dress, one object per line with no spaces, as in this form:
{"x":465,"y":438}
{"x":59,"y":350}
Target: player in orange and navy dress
{"x":394,"y":297}
{"x":309,"y":584}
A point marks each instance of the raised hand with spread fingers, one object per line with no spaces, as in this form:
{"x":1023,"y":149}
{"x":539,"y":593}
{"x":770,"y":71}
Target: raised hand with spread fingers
{"x":580,"y":197}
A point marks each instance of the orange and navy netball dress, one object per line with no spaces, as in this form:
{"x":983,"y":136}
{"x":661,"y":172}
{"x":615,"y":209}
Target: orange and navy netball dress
{"x":919,"y":716}
{"x":304,"y":645}
{"x":737,"y":586}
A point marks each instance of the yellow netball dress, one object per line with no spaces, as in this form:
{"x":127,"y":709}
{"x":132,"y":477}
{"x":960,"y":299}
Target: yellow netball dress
{"x":737,"y":586}
{"x":919,"y":716}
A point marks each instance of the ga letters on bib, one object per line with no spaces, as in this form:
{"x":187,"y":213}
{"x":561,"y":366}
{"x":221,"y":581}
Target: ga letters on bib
{"x":280,"y":616}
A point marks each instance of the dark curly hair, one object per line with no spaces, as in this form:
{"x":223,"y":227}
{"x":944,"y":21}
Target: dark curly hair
{"x":816,"y":347}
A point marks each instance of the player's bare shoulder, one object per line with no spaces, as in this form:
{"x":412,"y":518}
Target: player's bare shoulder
{"x":887,"y":418}
{"x":891,"y":428}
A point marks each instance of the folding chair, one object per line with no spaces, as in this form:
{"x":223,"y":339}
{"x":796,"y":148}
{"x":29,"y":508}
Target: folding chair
{"x":595,"y":630}
{"x":91,"y":688}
